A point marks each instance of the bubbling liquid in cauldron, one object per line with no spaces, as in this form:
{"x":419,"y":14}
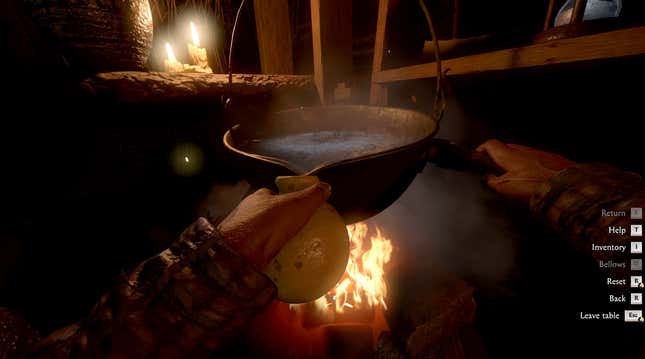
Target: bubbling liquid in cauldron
{"x":308,"y":150}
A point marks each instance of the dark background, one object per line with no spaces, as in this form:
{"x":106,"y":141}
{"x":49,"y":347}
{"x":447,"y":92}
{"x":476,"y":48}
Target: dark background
{"x":87,"y":190}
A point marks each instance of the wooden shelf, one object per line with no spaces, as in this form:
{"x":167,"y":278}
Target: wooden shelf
{"x":160,"y":87}
{"x":614,"y":44}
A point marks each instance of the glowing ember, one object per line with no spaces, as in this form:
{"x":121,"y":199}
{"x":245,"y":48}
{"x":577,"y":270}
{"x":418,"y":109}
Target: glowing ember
{"x":363,"y":284}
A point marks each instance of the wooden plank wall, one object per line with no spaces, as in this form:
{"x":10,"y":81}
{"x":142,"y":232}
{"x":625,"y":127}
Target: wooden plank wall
{"x":274,"y":36}
{"x":331,"y":27}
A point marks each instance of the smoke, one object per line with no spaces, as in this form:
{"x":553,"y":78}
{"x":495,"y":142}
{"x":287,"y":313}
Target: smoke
{"x":222,"y":199}
{"x":449,"y":219}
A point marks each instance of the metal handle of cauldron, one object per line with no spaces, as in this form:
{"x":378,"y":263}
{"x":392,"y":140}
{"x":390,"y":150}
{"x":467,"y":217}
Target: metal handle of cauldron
{"x":439,"y":104}
{"x":445,"y":153}
{"x":229,"y":94}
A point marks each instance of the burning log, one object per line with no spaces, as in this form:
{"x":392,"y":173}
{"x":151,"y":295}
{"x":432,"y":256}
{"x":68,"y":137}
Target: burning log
{"x":351,"y":314}
{"x":426,"y":322}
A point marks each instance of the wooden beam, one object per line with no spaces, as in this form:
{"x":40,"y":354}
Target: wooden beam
{"x":578,"y":11}
{"x":316,"y":37}
{"x":550,"y":13}
{"x":163,"y":87}
{"x":331,"y":30}
{"x":614,"y":44}
{"x":378,"y":92}
{"x":274,"y":36}
{"x":456,"y":11}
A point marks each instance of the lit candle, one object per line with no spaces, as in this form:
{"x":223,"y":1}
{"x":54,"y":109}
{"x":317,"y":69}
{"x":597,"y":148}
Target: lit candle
{"x":197,"y":53}
{"x":171,"y":64}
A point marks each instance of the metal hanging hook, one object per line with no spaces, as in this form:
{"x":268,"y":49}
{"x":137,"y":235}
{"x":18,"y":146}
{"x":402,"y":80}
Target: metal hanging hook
{"x":229,"y":94}
{"x":439,"y":104}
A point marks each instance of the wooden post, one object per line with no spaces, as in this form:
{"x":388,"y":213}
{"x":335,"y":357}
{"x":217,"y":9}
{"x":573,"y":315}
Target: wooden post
{"x":331,"y":32}
{"x":378,"y":92}
{"x":455,"y":19}
{"x":274,"y":36}
{"x":316,"y":37}
{"x":549,"y":15}
{"x":578,"y":11}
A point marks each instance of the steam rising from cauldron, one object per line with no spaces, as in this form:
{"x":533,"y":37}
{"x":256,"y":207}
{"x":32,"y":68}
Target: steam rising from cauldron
{"x":445,"y":218}
{"x":222,"y":199}
{"x":450,"y":218}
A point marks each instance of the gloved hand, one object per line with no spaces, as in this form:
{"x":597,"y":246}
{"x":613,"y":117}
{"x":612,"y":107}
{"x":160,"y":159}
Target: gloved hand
{"x":526,"y":168}
{"x":263,"y":222}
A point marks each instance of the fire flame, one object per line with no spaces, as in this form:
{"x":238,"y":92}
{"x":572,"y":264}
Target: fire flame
{"x":170,"y":53}
{"x":193,"y":32}
{"x":363,"y":284}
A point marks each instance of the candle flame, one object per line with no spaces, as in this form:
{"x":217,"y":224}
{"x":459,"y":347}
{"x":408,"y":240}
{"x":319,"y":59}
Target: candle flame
{"x":171,"y":54}
{"x":193,"y":32}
